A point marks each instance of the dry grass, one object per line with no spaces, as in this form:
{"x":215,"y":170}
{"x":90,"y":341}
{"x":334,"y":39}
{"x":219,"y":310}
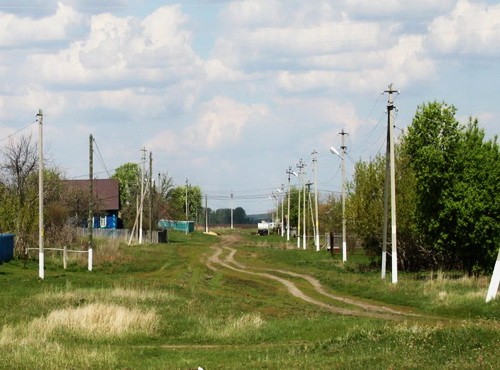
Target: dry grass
{"x":231,"y":327}
{"x":98,"y":320}
{"x":91,"y":321}
{"x":447,"y":291}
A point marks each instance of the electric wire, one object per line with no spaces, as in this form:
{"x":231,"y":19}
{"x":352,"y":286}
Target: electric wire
{"x":18,"y":131}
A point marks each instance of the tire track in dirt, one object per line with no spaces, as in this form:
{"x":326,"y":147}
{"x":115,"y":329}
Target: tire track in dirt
{"x":363,"y":309}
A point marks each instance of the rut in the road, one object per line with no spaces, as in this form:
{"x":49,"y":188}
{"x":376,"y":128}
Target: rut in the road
{"x":361,"y":308}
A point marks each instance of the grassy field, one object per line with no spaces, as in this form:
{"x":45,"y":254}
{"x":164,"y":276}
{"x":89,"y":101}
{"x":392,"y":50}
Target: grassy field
{"x":227,"y":302}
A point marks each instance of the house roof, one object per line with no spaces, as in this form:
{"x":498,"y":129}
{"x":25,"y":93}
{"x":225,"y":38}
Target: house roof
{"x":106,"y":192}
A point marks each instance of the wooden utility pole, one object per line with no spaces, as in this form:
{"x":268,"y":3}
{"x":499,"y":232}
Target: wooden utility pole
{"x":41,"y":255}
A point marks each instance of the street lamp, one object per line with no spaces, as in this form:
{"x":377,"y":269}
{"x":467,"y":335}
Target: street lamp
{"x":335,"y":152}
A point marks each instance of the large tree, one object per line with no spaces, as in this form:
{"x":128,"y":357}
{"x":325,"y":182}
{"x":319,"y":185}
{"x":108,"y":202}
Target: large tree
{"x":128,"y":176}
{"x":178,"y":202}
{"x":457,"y":187}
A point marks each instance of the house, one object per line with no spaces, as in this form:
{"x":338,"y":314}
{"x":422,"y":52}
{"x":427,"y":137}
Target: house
{"x":106,"y":201}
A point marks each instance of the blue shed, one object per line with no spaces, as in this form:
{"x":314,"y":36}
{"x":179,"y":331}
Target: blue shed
{"x":6,"y":247}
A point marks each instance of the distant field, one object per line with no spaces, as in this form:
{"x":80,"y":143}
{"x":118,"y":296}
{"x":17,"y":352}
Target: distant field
{"x":239,"y":301}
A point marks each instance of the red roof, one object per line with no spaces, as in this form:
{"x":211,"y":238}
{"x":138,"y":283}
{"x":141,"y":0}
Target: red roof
{"x":106,"y":192}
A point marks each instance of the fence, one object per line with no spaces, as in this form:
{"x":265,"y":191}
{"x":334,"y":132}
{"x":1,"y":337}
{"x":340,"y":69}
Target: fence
{"x":65,"y":252}
{"x":333,"y":240}
{"x":119,"y":234}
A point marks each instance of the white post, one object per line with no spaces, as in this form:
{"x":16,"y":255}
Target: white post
{"x":187,"y":222}
{"x":495,"y":280}
{"x":316,"y":227}
{"x":91,"y":255}
{"x":41,"y":262}
{"x":65,"y":257}
{"x":232,"y":226}
{"x":289,"y":172}
{"x":304,"y":219}
{"x":282,"y":211}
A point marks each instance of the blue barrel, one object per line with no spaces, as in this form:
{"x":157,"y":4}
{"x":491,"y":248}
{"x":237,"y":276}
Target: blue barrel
{"x":6,"y":247}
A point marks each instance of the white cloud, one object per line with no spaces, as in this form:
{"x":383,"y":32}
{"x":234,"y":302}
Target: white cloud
{"x":125,"y":50}
{"x":471,"y":28}
{"x":18,"y":30}
{"x":219,"y":124}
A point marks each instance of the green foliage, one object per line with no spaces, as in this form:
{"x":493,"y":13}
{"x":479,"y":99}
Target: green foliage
{"x":222,"y":216}
{"x":365,"y":205}
{"x":457,"y":187}
{"x":178,"y":202}
{"x":365,"y":209}
{"x":128,"y":176}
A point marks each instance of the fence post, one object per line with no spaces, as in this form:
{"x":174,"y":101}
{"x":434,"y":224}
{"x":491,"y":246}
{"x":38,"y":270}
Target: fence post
{"x":65,"y":256}
{"x":90,"y":259}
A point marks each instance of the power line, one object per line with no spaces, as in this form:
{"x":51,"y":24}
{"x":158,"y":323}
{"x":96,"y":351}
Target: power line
{"x":18,"y":131}
{"x":101,"y":159}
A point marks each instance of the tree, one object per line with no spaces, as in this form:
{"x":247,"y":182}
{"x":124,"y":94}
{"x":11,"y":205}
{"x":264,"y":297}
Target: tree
{"x":162,"y":194}
{"x":20,"y":161}
{"x":457,"y":184}
{"x":364,"y":208}
{"x":178,"y":202}
{"x":128,"y":176}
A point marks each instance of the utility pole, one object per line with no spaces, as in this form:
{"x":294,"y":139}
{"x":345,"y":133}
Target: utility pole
{"x":316,"y":228}
{"x":344,"y":242}
{"x":304,"y":218}
{"x":90,"y":219}
{"x":151,"y":197}
{"x":232,"y":209}
{"x":308,"y":185}
{"x":206,"y":213}
{"x":282,"y":211}
{"x":289,"y":172}
{"x":386,"y":203}
{"x":187,"y":221}
{"x":300,"y":166}
{"x":41,"y":255}
{"x":394,"y":252}
{"x":495,"y":281}
{"x":141,"y":207}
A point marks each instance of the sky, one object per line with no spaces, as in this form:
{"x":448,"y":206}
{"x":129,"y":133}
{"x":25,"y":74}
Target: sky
{"x":229,"y":94}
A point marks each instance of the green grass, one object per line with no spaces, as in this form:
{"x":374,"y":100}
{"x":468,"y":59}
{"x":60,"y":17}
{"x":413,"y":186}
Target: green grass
{"x":176,"y":313}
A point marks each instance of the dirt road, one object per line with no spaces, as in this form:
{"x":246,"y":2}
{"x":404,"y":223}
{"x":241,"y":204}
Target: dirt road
{"x":223,"y":257}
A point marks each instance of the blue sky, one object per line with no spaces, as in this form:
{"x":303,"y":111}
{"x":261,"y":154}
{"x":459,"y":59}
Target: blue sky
{"x":230,"y":93}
